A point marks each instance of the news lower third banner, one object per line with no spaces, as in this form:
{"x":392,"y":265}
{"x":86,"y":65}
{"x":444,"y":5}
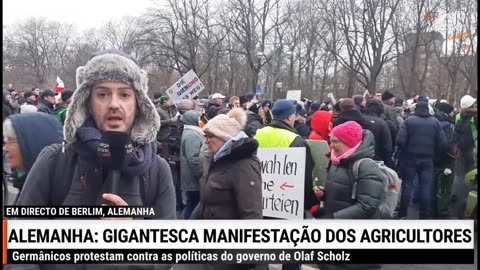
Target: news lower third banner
{"x":238,"y":241}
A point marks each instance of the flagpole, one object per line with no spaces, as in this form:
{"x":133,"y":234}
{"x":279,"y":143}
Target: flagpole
{"x":446,"y":28}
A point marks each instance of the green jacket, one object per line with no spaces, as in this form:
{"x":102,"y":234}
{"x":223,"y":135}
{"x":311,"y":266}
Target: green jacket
{"x":166,"y":120}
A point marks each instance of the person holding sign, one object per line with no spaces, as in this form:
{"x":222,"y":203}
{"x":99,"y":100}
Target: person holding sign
{"x":349,"y":143}
{"x":281,"y":134}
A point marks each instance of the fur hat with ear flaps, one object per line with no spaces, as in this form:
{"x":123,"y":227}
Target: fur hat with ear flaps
{"x":105,"y":66}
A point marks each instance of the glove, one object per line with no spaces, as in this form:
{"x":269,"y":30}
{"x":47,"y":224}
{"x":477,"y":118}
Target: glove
{"x":318,"y":212}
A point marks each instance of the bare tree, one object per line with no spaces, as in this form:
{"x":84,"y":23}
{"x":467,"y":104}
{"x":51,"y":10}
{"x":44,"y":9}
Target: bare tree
{"x":37,"y":50}
{"x":415,"y":43}
{"x":368,"y":37}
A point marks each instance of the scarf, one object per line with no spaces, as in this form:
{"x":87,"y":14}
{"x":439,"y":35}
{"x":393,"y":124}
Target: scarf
{"x":336,"y":160}
{"x":135,"y":163}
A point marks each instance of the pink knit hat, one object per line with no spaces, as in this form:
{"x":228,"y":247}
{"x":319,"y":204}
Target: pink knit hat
{"x":350,"y":133}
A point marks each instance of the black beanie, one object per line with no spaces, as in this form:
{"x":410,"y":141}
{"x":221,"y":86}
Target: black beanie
{"x":422,"y":99}
{"x":445,"y":107}
{"x":375,"y":107}
{"x":267,"y":103}
{"x":387,"y":95}
{"x":422,"y":105}
{"x":243,"y":100}
{"x":255,"y":107}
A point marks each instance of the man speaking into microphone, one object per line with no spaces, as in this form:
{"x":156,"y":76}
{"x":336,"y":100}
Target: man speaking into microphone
{"x":110,"y":107}
{"x":111,"y":98}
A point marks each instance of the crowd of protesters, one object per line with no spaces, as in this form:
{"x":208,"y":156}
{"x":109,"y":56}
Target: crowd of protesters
{"x":199,"y":156}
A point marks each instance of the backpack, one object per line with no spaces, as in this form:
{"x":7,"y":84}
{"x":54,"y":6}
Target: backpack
{"x":175,"y":138}
{"x":391,"y":184}
{"x":67,"y":158}
{"x":451,"y":146}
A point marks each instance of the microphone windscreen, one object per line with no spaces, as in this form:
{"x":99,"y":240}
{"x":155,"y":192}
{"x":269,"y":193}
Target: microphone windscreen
{"x":113,"y":148}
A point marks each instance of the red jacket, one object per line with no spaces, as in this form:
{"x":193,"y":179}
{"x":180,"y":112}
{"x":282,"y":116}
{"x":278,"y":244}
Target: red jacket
{"x":322,"y":123}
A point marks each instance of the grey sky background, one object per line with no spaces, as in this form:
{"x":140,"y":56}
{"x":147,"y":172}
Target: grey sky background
{"x":84,"y":14}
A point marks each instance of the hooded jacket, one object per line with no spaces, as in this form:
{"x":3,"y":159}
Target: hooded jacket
{"x":421,"y":135}
{"x":300,"y":125}
{"x":390,"y":113}
{"x":231,"y":186}
{"x":34,"y":132}
{"x":254,"y":122}
{"x":322,"y":122}
{"x":88,"y":180}
{"x":380,"y":130}
{"x":338,"y":191}
{"x":190,"y":149}
{"x":7,"y":107}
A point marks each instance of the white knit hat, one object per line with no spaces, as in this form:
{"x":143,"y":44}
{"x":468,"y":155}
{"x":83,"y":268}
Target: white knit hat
{"x":227,"y":126}
{"x":27,"y":108}
{"x":467,"y":101}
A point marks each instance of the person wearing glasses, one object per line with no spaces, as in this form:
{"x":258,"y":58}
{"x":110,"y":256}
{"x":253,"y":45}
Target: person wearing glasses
{"x":230,"y":187}
{"x":24,"y":136}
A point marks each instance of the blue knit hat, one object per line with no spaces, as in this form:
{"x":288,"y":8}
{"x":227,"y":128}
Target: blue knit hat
{"x":283,"y":109}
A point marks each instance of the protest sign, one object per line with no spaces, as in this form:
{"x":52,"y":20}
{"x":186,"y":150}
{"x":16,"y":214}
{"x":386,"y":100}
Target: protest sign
{"x":283,"y":177}
{"x":294,"y":95}
{"x":319,"y":150}
{"x":187,"y":87}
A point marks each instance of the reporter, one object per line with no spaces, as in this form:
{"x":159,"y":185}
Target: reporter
{"x":110,"y":96}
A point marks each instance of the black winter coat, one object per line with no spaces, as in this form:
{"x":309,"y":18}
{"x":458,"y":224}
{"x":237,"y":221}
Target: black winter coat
{"x":420,"y":136}
{"x":254,"y":122}
{"x":302,"y":129}
{"x":45,"y":107}
{"x":445,"y":157}
{"x":383,"y":138}
{"x":351,"y":115}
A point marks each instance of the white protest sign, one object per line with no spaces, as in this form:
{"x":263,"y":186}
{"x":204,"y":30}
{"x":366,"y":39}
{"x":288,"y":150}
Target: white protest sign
{"x":294,"y":95}
{"x":187,"y":87}
{"x":283,"y":177}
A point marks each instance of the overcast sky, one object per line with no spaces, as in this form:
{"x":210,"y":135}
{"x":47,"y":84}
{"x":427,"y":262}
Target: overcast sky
{"x":83,"y":13}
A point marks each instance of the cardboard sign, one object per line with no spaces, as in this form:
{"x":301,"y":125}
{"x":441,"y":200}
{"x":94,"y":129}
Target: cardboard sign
{"x":319,"y":150}
{"x":294,"y":95}
{"x":283,"y":177}
{"x":187,"y":87}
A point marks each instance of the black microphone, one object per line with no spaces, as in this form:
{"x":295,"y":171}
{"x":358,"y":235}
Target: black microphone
{"x":112,"y":151}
